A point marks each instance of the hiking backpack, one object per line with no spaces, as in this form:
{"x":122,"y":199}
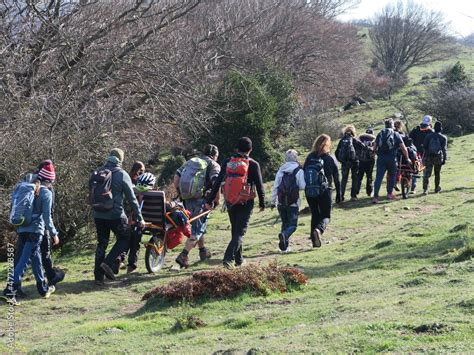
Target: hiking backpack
{"x":288,"y":189}
{"x":386,"y":140}
{"x":236,"y":189}
{"x":100,"y":189}
{"x":316,"y":181}
{"x":193,"y":179}
{"x":435,"y":152}
{"x":366,"y":151}
{"x":346,"y":152}
{"x":22,"y":203}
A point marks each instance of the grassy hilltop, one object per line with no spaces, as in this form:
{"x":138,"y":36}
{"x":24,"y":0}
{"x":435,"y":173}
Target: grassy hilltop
{"x":397,"y":277}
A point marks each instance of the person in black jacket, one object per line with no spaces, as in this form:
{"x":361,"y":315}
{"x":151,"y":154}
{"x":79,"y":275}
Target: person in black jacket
{"x":239,"y":209}
{"x":346,"y":154}
{"x":436,"y":153}
{"x":366,"y":161}
{"x":418,"y":134}
{"x":321,"y":205}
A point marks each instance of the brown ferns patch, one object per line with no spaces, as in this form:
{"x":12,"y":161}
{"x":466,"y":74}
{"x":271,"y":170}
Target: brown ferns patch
{"x":221,"y":283}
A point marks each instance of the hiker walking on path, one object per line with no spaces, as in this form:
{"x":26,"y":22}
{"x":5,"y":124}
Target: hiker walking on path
{"x":242,"y":176}
{"x":32,"y":204}
{"x":108,"y":186}
{"x":435,"y":156}
{"x":347,"y":156}
{"x":194,"y":179}
{"x":418,"y":134}
{"x":289,"y":180}
{"x":320,"y":171}
{"x":387,"y":144}
{"x":366,"y":161}
{"x":53,"y":275}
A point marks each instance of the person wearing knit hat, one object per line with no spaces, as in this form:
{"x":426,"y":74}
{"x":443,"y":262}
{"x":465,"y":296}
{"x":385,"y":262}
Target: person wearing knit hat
{"x":30,"y":237}
{"x":114,"y":219}
{"x":288,"y":202}
{"x":46,"y":171}
{"x":436,"y":154}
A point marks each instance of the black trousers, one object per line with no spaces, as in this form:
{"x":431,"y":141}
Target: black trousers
{"x":366,"y":168}
{"x":429,"y":167}
{"x":239,"y":216}
{"x":122,"y":232}
{"x":134,"y":245}
{"x":320,"y":211}
{"x":353,"y":168}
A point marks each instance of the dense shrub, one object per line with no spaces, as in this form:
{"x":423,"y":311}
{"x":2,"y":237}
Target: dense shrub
{"x":220,"y":283}
{"x":169,"y":169}
{"x":452,"y":101}
{"x":259,"y":106}
{"x":311,"y":127}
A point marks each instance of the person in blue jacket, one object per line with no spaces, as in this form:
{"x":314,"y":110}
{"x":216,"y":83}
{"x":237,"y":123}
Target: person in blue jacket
{"x":31,"y":236}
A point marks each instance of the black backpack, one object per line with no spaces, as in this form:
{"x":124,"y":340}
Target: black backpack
{"x":367,"y":151}
{"x":386,"y":140}
{"x":346,"y":152}
{"x":316,"y":181}
{"x":288,"y":190}
{"x":435,"y":151}
{"x":100,"y":189}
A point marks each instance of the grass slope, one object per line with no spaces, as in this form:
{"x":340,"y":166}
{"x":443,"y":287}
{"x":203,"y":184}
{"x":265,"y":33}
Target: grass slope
{"x":385,"y":280}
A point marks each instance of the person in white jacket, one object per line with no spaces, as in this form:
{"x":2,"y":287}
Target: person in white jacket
{"x":285,"y":195}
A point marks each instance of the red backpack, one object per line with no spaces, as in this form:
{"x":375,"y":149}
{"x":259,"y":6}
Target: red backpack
{"x":236,"y":188}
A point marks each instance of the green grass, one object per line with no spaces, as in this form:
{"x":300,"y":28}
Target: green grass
{"x":386,"y":279}
{"x":394,"y":277}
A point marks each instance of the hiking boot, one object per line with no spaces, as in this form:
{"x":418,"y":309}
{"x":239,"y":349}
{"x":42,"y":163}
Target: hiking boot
{"x":182,"y":260}
{"x":392,"y":197}
{"x":117,"y":264}
{"x":57,"y":278}
{"x":204,"y":254}
{"x":316,"y":238}
{"x":396,"y":188}
{"x":10,"y":299}
{"x":282,"y":244}
{"x":438,"y":190}
{"x":131,"y":269}
{"x":109,"y":273}
{"x":354,"y":198}
{"x":50,"y":291}
{"x":99,"y":282}
{"x":375,"y":200}
{"x":287,"y":250}
{"x":229,"y":265}
{"x":240,"y":263}
{"x":413,"y":192}
{"x":425,"y":192}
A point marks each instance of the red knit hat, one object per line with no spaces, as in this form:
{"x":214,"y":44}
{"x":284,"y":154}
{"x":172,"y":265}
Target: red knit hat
{"x":47,"y":172}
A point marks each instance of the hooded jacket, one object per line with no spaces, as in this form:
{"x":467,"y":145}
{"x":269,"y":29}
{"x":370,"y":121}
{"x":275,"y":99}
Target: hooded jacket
{"x":121,"y":187}
{"x":288,"y":167}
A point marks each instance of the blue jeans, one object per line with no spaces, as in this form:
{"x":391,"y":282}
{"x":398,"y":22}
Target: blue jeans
{"x":198,"y":227}
{"x":31,"y":253}
{"x":385,"y":163}
{"x":289,"y":220}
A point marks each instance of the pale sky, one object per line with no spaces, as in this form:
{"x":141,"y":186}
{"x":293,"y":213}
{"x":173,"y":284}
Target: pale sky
{"x":460,"y":13}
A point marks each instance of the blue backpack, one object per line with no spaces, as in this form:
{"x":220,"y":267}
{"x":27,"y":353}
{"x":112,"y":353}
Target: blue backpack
{"x":22,"y":204}
{"x":316,"y":180}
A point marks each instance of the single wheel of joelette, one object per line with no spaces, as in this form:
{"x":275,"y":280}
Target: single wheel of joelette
{"x":155,"y":254}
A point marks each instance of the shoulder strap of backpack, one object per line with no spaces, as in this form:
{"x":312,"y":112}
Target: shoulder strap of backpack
{"x":296,"y":170}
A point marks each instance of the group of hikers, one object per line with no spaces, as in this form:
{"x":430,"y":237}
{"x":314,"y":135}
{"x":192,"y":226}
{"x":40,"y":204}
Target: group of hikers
{"x":200,"y":183}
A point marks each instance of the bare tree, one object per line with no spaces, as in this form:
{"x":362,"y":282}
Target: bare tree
{"x":408,"y":35}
